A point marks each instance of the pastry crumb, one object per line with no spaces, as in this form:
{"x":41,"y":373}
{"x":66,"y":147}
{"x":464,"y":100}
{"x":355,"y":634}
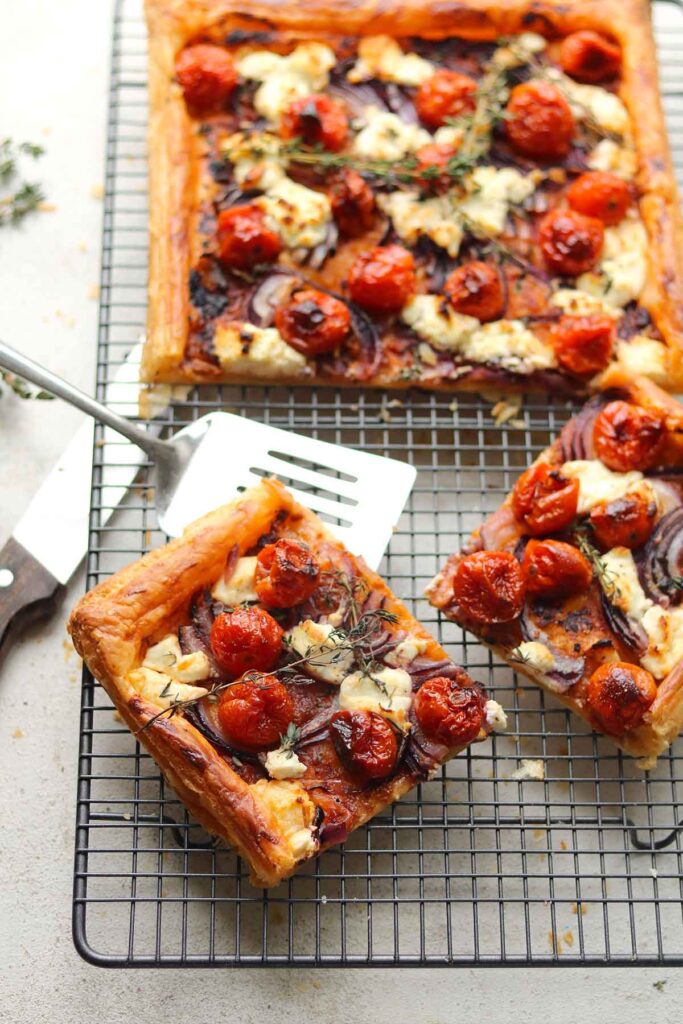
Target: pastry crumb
{"x":94,"y":291}
{"x":529,"y":769}
{"x":97,"y":191}
{"x":18,"y":734}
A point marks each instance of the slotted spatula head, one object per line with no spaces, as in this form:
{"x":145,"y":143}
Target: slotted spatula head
{"x":360,"y":496}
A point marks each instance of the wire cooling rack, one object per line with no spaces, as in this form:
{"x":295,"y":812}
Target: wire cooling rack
{"x":582,"y":866}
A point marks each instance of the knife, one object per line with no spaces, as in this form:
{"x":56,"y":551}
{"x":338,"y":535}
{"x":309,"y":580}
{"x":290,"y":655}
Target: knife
{"x":50,"y":540}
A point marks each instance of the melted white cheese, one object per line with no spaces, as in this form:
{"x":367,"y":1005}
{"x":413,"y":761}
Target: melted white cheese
{"x":246,"y":348}
{"x":284,"y":764}
{"x":579,"y":303}
{"x":433,"y":318}
{"x":326,"y":650}
{"x":285,"y":79}
{"x":387,"y":692}
{"x":256,"y":159}
{"x":240,"y":587}
{"x":300,"y":215}
{"x":406,"y":651}
{"x":622,"y":272}
{"x":598,"y":483}
{"x":593,"y":102}
{"x":536,"y":655}
{"x":518,"y":50}
{"x":645,"y":356}
{"x":412,"y":217}
{"x":381,"y":57}
{"x":496,"y":718}
{"x":491,"y":193}
{"x":386,"y":137}
{"x":608,"y":155}
{"x":167,"y":657}
{"x":292,"y":810}
{"x":160,"y":689}
{"x":509,"y":344}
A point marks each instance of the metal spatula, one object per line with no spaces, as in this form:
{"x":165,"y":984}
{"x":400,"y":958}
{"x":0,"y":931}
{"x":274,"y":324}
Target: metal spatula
{"x":208,"y":462}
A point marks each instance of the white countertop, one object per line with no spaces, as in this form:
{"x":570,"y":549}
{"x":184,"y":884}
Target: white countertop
{"x":55,"y":63}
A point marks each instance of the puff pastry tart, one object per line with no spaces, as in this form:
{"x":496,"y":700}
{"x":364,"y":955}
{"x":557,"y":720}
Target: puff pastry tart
{"x":577,"y":580}
{"x":409,"y":193}
{"x":283,"y":690}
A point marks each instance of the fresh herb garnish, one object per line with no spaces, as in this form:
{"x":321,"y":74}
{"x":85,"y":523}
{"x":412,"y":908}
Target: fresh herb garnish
{"x":606,"y":576}
{"x":290,"y":739}
{"x":27,"y":196}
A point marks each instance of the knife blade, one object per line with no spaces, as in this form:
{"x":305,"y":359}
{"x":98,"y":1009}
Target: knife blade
{"x":50,"y":540}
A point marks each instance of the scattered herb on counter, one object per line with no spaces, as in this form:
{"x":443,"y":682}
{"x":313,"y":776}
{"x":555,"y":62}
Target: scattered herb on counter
{"x":22,"y":197}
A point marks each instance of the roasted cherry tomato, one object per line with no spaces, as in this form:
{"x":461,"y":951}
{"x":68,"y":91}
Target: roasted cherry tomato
{"x":318,"y":120}
{"x":286,"y":573}
{"x":625,"y":522}
{"x":445,"y":94}
{"x":254,"y":713}
{"x":432,"y":163}
{"x":618,"y":695}
{"x":571,"y":243}
{"x":365,"y":742}
{"x":489,"y":587}
{"x":313,"y":322}
{"x":600,"y":194}
{"x":555,"y":569}
{"x":207,"y":76}
{"x":539,"y":121}
{"x":583,"y":344}
{"x":383,"y":279}
{"x":449,"y":712}
{"x":590,"y":57}
{"x":244,"y":639}
{"x":244,"y":240}
{"x":628,"y":437}
{"x":353,"y":203}
{"x":475,"y":289}
{"x":544,"y":501}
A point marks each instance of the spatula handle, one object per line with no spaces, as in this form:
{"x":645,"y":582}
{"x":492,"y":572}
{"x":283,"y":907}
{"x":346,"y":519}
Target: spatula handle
{"x":28,"y":592}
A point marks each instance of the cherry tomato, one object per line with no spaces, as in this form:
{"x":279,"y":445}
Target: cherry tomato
{"x":618,"y":695}
{"x":544,"y":500}
{"x":555,"y":569}
{"x":448,"y":712}
{"x":353,"y":203}
{"x":207,"y":76}
{"x":489,"y":587}
{"x":625,"y":522}
{"x":590,"y":57}
{"x":571,"y":243}
{"x":445,"y":94}
{"x":365,"y":742}
{"x":539,"y":121}
{"x":244,"y":639}
{"x":583,"y":344}
{"x":254,"y":713}
{"x":318,"y":120}
{"x":383,"y":279}
{"x":313,"y":322}
{"x":286,"y":573}
{"x":475,"y":289}
{"x":243,"y":238}
{"x":628,"y":437}
{"x":432,"y":163}
{"x":600,"y":194}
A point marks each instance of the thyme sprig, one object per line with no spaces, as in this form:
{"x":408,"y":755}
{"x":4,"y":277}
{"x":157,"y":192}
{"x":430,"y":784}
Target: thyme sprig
{"x":28,"y":196}
{"x":607,"y":578}
{"x":289,"y":739}
{"x":21,"y":388}
{"x":673,"y":583}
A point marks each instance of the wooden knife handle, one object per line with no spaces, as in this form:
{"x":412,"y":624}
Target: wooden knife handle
{"x":28,"y":592}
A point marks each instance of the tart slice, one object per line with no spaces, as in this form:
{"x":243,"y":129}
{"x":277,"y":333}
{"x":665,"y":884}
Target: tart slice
{"x":283,"y":690}
{"x":577,"y":580}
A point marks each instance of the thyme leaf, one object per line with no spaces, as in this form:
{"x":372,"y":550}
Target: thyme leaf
{"x":28,"y":196}
{"x":607,"y":578}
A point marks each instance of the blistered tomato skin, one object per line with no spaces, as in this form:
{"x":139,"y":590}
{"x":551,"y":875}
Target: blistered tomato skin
{"x":600,"y":194}
{"x":623,"y":523}
{"x":489,"y":587}
{"x":590,"y":57}
{"x":207,"y":76}
{"x":583,"y":344}
{"x":245,"y":639}
{"x":570,"y":242}
{"x":432,"y":166}
{"x":313,"y":322}
{"x":286,"y":574}
{"x":627,"y":437}
{"x":448,"y":712}
{"x":618,"y":695}
{"x":317,"y":120}
{"x":544,"y":501}
{"x":475,"y":289}
{"x":353,"y":203}
{"x":445,"y":94}
{"x":539,"y":122}
{"x":555,"y":569}
{"x":244,"y":240}
{"x":383,"y":279}
{"x":255,"y":712}
{"x":365,"y":743}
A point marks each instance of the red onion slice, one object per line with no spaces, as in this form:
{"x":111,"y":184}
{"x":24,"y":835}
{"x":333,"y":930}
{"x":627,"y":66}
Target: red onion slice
{"x":568,"y":670}
{"x":270,"y":293}
{"x":629,"y":632}
{"x":661,"y":560}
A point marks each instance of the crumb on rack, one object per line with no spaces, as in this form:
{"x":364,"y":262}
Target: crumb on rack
{"x":529,"y":769}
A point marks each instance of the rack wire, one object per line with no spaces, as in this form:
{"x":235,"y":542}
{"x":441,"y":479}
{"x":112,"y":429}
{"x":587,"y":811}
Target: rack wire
{"x":583,"y":866}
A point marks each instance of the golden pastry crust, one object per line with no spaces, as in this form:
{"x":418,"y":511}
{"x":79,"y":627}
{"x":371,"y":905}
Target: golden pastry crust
{"x":172,"y":23}
{"x":113,"y":624}
{"x":664,"y":720}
